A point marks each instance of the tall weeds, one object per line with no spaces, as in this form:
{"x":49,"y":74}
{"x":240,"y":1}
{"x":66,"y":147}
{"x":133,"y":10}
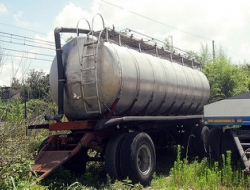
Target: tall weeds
{"x":205,"y":175}
{"x":17,"y":150}
{"x":17,"y":153}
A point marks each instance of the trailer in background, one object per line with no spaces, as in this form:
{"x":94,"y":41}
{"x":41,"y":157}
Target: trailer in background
{"x":229,"y":123}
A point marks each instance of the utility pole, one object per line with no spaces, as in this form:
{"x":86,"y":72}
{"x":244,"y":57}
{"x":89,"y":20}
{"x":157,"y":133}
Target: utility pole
{"x":25,"y":103}
{"x":25,"y":108}
{"x":213,"y":50}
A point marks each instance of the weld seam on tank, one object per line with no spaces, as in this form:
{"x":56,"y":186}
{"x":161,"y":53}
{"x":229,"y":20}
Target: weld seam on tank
{"x":177,"y":89}
{"x":121,"y":81}
{"x":154,"y":85}
{"x":144,"y":99}
{"x":138,"y":73}
{"x":165,"y":82}
{"x":186,"y":99}
{"x":120,"y":68}
{"x":154,"y":94}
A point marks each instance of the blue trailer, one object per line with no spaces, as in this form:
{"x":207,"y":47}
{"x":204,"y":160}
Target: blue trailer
{"x":229,"y":124}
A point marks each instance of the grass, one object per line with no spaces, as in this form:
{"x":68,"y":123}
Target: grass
{"x":202,"y":174}
{"x":17,"y":152}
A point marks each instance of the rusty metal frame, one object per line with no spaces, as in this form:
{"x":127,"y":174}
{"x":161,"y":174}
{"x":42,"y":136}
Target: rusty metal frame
{"x":73,"y":125}
{"x":45,"y":156}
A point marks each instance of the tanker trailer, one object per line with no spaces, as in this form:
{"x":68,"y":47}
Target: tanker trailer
{"x":124,"y":95}
{"x":131,"y":82}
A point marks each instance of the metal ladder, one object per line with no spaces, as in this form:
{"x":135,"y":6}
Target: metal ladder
{"x":243,"y":147}
{"x":93,"y":97}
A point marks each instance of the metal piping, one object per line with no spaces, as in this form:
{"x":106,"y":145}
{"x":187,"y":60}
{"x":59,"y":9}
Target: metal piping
{"x":60,"y":68}
{"x":120,"y":120}
{"x":60,"y":71}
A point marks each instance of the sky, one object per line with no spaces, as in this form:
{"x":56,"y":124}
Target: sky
{"x":27,"y":40}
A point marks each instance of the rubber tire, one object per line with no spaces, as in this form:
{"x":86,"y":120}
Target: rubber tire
{"x":133,"y":145}
{"x":201,"y":134}
{"x":112,"y":156}
{"x":214,"y":144}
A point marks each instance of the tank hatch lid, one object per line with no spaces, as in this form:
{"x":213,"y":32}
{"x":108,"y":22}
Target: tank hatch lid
{"x":233,"y":107}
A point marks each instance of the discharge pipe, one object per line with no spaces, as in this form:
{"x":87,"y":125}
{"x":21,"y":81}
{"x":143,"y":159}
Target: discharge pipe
{"x":60,"y":70}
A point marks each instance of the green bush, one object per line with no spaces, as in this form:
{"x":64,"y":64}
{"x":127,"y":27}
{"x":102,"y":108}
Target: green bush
{"x":38,"y":108}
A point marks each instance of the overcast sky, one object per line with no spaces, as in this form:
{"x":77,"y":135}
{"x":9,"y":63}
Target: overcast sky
{"x":191,"y":23}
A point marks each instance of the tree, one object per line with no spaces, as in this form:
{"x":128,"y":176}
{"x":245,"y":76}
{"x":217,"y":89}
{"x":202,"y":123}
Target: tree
{"x":193,"y":55}
{"x":15,"y":83}
{"x":205,"y":55}
{"x":37,"y":85}
{"x":245,"y":68}
{"x":169,"y":45}
{"x":226,"y":80}
{"x":0,"y":94}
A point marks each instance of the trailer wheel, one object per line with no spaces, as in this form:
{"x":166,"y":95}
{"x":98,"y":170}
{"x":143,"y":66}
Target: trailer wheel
{"x":112,"y":156}
{"x":138,"y":158}
{"x":214,"y":143}
{"x":200,"y":140}
{"x":227,"y":143}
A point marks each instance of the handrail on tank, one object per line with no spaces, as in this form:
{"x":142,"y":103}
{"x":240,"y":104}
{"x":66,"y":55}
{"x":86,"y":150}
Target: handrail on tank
{"x":130,"y":30}
{"x":103,"y":24}
{"x":77,"y":28}
{"x":91,"y":31}
{"x":99,"y":37}
{"x":96,"y":51}
{"x":95,"y":55}
{"x":77,"y":34}
{"x":98,"y":14}
{"x":172,"y":51}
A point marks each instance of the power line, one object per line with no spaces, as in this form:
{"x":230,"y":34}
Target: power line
{"x":27,"y":41}
{"x":23,"y":29}
{"x":161,"y":23}
{"x":34,"y":31}
{"x":225,"y":48}
{"x":15,"y":36}
{"x":26,"y":44}
{"x":25,"y":57}
{"x":20,"y":51}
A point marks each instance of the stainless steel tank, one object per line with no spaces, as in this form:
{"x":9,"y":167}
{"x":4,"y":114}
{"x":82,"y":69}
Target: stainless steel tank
{"x":112,"y":78}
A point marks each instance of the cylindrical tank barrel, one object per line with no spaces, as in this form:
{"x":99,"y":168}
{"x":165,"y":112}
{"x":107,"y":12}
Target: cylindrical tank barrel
{"x":116,"y":79}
